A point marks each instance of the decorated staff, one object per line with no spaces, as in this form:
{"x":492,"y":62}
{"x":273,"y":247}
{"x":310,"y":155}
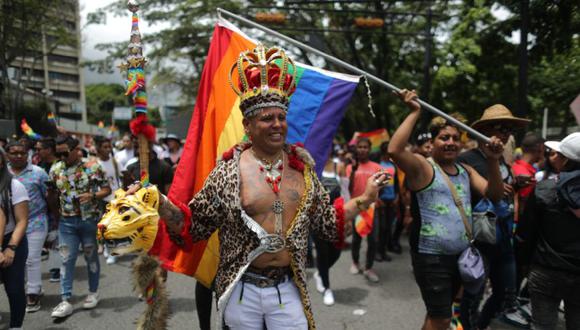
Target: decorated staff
{"x":135,"y":82}
{"x":130,"y":224}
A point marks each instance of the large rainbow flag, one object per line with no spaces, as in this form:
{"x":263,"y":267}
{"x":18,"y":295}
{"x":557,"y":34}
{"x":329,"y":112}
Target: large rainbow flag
{"x":316,"y":109}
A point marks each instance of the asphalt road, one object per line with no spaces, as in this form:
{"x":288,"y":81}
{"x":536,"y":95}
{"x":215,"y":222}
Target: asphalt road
{"x":393,"y":303}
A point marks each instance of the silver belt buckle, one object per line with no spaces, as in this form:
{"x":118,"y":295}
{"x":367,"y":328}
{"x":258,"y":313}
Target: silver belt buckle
{"x":273,"y":243}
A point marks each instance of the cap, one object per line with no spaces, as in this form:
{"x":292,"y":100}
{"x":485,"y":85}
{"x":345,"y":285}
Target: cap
{"x":569,"y":146}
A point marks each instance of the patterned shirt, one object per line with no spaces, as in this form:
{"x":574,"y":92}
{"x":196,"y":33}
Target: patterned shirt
{"x":87,"y":176}
{"x":34,"y":180}
{"x":438,"y":227}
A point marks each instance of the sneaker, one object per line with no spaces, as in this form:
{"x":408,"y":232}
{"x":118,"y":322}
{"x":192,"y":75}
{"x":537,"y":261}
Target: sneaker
{"x":32,"y":303}
{"x":328,"y":297}
{"x":91,"y":301}
{"x":63,"y":309}
{"x":371,"y":276}
{"x":318,"y":281}
{"x":111,"y":260}
{"x":526,"y":310}
{"x":354,"y":269}
{"x":54,"y":275}
{"x":516,"y":319}
{"x":44,"y":254}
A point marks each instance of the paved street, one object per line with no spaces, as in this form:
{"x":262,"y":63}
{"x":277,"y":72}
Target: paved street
{"x":394,"y":303}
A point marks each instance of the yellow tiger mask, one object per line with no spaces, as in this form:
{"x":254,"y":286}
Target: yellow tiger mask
{"x":130,"y":223}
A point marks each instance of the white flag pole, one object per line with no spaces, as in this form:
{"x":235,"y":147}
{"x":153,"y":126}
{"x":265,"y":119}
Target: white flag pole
{"x":354,"y":69}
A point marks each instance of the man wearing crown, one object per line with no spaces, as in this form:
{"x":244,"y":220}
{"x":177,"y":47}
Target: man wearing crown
{"x":265,"y":199}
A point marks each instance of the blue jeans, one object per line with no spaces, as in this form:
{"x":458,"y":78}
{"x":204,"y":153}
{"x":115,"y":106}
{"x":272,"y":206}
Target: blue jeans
{"x":501,"y":269}
{"x":72,"y":232}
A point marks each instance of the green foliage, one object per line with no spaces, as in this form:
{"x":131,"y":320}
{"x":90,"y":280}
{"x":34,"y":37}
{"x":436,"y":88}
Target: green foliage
{"x":102,"y":99}
{"x":474,"y":59}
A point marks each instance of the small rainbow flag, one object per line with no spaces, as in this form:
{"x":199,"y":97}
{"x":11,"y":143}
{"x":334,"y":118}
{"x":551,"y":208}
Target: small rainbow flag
{"x":51,"y":118}
{"x":26,"y":129}
{"x":363,"y":223}
{"x":377,"y":137}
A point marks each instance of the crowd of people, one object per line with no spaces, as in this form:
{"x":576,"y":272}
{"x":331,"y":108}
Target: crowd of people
{"x":53,"y":193}
{"x":518,"y":217}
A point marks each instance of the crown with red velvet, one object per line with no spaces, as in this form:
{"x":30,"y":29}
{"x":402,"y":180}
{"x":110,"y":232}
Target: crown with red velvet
{"x":263,"y":79}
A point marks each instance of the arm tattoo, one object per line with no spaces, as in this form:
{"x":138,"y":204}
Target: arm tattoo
{"x":173,"y":217}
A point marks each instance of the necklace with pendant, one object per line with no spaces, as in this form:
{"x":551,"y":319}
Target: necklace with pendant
{"x":273,"y":172}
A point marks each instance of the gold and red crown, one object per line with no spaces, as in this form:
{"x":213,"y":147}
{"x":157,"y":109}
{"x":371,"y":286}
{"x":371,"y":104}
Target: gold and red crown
{"x":263,"y":79}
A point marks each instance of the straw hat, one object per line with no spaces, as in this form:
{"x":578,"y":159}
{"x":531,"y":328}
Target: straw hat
{"x":499,"y":113}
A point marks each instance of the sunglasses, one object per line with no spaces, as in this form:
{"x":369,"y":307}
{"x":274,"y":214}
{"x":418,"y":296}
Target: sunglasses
{"x":62,"y":154}
{"x":501,"y":128}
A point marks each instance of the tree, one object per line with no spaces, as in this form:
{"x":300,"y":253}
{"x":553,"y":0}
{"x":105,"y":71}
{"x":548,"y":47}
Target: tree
{"x":26,"y":27}
{"x":102,"y":99}
{"x":474,"y":61}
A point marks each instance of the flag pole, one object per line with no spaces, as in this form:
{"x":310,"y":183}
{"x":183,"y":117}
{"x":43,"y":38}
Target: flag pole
{"x":354,"y":69}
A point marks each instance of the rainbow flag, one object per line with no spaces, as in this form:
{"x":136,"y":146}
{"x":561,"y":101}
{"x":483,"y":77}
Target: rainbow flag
{"x":316,"y":109}
{"x":377,"y":137}
{"x":51,"y":118}
{"x":363,"y":223}
{"x":26,"y":129}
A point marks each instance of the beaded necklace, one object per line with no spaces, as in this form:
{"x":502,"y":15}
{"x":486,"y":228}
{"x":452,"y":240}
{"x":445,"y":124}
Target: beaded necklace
{"x":273,"y":172}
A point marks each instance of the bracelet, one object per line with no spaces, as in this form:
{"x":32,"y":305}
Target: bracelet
{"x":359,"y":205}
{"x":11,"y":247}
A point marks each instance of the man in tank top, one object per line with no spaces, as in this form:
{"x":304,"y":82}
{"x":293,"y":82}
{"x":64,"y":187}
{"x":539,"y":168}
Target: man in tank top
{"x":438,"y":233}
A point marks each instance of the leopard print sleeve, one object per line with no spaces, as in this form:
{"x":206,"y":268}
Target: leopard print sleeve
{"x":323,"y":222}
{"x":207,"y":206}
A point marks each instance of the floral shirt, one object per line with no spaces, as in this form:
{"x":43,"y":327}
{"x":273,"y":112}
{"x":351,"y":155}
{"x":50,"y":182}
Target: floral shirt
{"x":34,"y":180}
{"x":84,"y":177}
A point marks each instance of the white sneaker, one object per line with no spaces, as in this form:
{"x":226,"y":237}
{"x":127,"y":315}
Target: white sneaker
{"x":63,"y":309}
{"x":371,"y":275}
{"x":91,"y":301}
{"x":318,"y":281}
{"x":328,"y":298}
{"x":354,"y":269}
{"x":111,"y":260}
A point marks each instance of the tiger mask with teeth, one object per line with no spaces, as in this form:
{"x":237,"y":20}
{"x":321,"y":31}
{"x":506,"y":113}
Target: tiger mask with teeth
{"x":130,"y":223}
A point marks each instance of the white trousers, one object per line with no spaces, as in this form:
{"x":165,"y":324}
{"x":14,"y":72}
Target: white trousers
{"x":33,"y":263}
{"x":259,"y":306}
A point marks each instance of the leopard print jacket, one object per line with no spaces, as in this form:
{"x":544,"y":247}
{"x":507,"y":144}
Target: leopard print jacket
{"x":218,"y":207}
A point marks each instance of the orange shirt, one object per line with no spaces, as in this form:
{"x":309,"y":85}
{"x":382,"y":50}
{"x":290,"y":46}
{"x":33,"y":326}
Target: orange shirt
{"x":362,"y":174}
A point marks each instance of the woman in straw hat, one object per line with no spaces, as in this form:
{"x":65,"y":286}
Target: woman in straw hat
{"x":498,"y":121}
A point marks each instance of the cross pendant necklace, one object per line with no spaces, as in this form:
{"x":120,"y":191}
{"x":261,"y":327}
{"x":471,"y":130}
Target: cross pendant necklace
{"x":273,"y":172}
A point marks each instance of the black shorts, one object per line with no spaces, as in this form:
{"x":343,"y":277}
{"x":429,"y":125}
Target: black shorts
{"x":439,"y":281}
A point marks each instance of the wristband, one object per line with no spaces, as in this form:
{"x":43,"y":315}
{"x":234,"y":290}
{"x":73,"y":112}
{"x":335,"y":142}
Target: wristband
{"x":11,"y":247}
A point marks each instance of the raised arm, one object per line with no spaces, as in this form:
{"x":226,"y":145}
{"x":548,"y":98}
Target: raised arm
{"x":418,"y":170}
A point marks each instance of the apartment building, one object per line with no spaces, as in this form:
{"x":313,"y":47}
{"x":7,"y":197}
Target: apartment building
{"x":55,"y":71}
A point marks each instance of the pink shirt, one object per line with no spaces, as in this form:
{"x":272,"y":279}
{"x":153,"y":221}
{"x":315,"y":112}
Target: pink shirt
{"x":362,"y":174}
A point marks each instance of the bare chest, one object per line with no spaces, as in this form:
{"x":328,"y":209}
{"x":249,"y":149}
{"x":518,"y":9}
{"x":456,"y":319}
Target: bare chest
{"x":258,"y":198}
